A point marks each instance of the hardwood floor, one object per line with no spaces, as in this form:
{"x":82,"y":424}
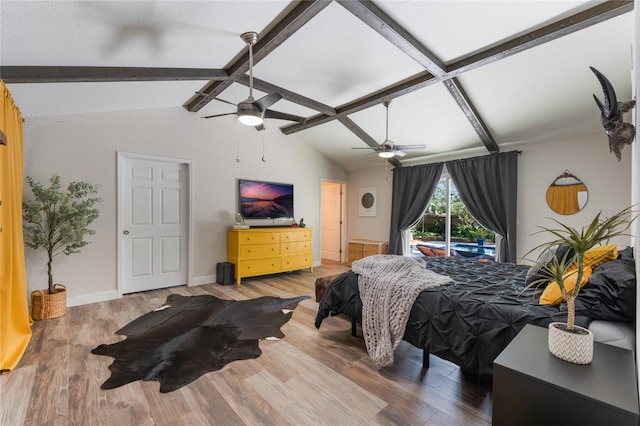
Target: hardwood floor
{"x":311,"y":377}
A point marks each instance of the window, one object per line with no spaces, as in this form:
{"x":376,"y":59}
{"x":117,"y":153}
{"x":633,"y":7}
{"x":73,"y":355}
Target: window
{"x":448,"y":219}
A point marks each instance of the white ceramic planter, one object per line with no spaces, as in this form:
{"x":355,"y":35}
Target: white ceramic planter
{"x":573,"y":347}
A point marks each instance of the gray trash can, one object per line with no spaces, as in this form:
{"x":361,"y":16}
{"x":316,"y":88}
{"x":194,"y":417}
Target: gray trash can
{"x":225,"y":272}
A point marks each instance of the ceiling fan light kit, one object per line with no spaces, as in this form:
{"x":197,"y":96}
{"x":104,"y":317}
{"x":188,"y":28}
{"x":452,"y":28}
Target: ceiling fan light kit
{"x":250,"y":117}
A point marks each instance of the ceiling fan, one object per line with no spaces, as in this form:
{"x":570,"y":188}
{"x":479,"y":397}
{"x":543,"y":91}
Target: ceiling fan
{"x":388,"y":149}
{"x":252,"y":112}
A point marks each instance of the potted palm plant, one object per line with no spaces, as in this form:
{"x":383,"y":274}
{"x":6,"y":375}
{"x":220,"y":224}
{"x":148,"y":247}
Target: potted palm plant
{"x":479,"y":235}
{"x":567,"y":340}
{"x":57,"y":220}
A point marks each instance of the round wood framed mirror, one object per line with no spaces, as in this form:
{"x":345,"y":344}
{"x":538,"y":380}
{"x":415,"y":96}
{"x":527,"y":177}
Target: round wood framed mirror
{"x":567,"y":194}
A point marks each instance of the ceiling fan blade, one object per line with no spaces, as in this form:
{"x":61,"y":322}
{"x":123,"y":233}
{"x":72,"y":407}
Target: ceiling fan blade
{"x":283,"y":116}
{"x":369,"y":147}
{"x":400,"y":153}
{"x":226,"y":102}
{"x":405,"y":147}
{"x":266,"y":101}
{"x":220,"y":115}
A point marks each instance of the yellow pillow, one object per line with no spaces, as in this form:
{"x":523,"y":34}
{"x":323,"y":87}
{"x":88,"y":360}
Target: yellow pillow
{"x":599,"y":255}
{"x":552,"y":294}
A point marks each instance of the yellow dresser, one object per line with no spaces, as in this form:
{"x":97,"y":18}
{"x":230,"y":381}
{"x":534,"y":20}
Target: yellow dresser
{"x":264,"y":251}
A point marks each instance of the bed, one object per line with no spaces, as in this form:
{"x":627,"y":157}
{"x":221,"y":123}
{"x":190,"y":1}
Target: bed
{"x":472,"y":319}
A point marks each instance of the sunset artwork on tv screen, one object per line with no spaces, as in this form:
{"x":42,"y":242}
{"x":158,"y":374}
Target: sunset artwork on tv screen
{"x":265,"y":200}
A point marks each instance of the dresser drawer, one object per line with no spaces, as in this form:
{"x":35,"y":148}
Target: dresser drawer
{"x":268,"y":251}
{"x":297,"y":262}
{"x":260,"y":267}
{"x":295,"y":236}
{"x":259,"y":250}
{"x":293,"y":248}
{"x":259,"y":238}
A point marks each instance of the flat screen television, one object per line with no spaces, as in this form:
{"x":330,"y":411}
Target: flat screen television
{"x":265,"y":200}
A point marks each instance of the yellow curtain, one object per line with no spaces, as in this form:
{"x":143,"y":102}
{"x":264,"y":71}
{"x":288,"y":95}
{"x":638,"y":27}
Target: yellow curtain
{"x":15,"y":322}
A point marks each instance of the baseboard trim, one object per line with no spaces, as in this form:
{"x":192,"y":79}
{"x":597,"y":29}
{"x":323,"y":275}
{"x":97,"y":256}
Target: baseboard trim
{"x":205,"y":279}
{"x":85,"y":299}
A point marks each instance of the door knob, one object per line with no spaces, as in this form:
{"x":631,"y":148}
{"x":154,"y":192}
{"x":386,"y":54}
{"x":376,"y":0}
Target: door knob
{"x":125,"y":232}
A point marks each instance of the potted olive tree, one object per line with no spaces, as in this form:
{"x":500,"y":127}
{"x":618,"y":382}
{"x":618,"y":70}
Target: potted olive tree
{"x":567,"y":340}
{"x":57,"y":220}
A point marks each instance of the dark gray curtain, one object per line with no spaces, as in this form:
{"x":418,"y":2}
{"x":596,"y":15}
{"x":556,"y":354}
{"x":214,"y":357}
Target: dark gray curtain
{"x":488,"y":186}
{"x":412,"y":190}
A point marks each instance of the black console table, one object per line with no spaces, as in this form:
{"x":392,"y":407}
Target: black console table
{"x":533,"y":387}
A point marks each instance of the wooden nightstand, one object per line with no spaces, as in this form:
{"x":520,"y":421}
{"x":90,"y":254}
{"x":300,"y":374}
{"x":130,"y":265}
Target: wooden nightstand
{"x":533,"y":387}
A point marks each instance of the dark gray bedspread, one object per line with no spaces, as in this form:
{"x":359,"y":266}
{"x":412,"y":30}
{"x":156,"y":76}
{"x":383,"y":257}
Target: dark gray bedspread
{"x":469,"y":321}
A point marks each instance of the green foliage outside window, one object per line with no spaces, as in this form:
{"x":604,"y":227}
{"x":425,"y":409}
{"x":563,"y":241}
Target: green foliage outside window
{"x":463,"y":224}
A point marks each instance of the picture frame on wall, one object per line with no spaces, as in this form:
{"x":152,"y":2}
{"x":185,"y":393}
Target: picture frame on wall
{"x":368,"y":202}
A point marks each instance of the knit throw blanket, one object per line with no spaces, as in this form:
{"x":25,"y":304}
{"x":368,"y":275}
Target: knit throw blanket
{"x":389,"y":285}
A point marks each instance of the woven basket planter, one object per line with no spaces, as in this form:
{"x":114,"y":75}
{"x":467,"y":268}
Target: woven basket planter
{"x":47,"y":306}
{"x":575,"y":347}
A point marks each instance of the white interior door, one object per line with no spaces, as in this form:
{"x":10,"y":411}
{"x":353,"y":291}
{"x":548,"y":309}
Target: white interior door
{"x":332,"y":206}
{"x":153,"y":225}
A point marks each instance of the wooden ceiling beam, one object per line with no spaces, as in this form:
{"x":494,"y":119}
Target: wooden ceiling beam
{"x":384,"y":25}
{"x":600,"y":13}
{"x":581,"y":20}
{"x":359,"y":132}
{"x":288,"y":95}
{"x":55,"y":74}
{"x":301,"y":13}
{"x":460,"y":96}
{"x":409,"y":85}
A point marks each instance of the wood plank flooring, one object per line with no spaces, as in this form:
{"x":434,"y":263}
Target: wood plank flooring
{"x":311,"y":377}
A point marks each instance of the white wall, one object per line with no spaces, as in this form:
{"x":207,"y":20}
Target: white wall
{"x":84,"y":147}
{"x":370,"y":227}
{"x":608,"y":182}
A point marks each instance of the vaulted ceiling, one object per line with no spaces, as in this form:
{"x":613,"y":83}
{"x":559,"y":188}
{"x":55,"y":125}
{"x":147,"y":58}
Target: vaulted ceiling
{"x":463,"y":75}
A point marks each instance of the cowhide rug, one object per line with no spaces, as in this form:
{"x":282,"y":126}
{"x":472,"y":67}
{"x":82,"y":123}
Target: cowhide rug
{"x":192,"y":335}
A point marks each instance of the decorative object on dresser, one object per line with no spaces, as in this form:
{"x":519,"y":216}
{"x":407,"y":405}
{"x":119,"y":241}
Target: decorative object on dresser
{"x":565,"y":273}
{"x":57,"y":220}
{"x":264,"y":251}
{"x":363,"y":248}
{"x":238,"y":222}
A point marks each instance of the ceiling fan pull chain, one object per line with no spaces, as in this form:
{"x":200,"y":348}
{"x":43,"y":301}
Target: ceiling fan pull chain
{"x":263,"y":160}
